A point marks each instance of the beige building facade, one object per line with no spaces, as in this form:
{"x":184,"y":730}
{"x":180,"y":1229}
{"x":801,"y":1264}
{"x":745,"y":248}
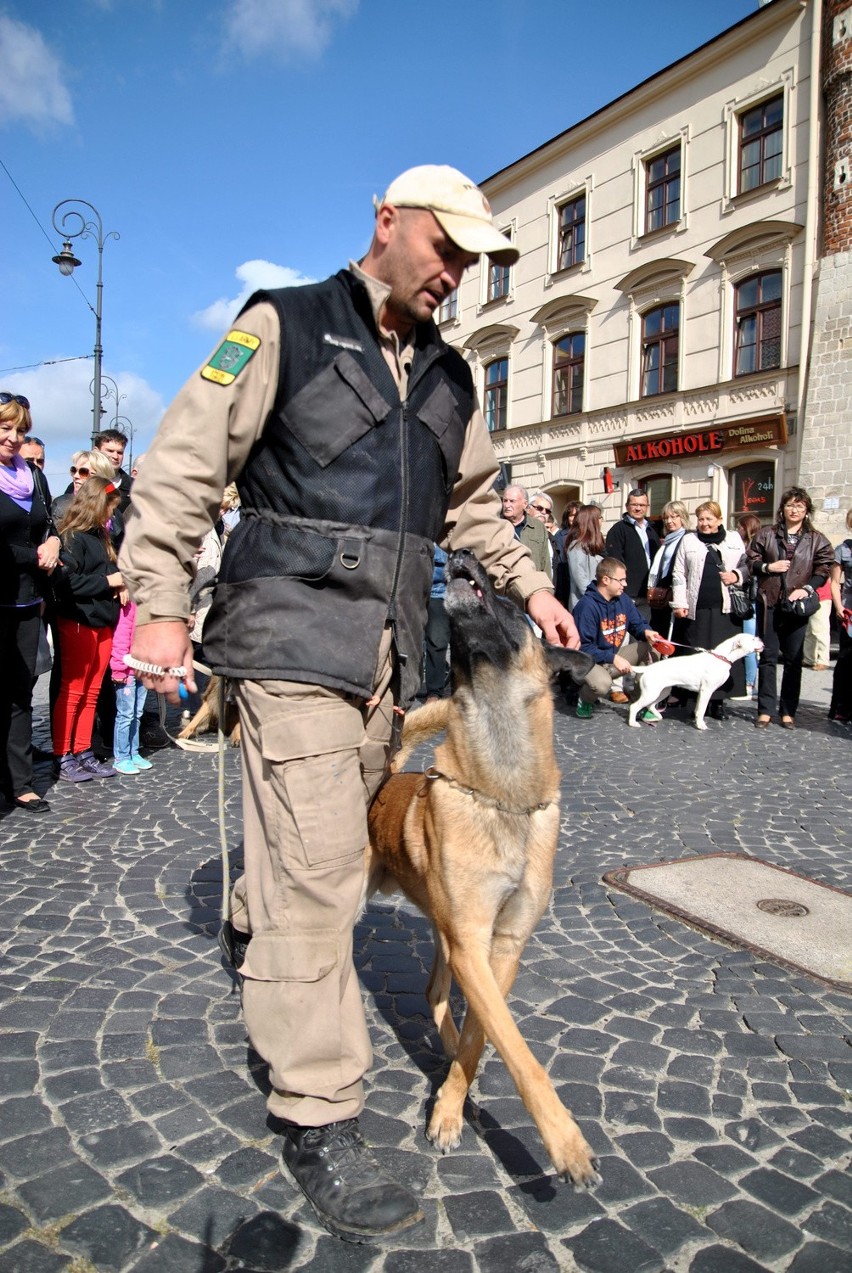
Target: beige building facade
{"x":652,"y":332}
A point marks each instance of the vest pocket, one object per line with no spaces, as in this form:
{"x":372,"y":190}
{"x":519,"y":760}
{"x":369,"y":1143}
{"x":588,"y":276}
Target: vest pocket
{"x":334,"y":410}
{"x":440,"y":414}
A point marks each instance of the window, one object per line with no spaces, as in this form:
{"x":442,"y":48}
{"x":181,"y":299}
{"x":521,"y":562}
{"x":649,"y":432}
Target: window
{"x":660,"y":350}
{"x":569,"y":357}
{"x":662,"y":192}
{"x":498,"y":281}
{"x":658,"y":488}
{"x":758,"y":323}
{"x":761,"y":143}
{"x":449,"y":306}
{"x":754,"y":491}
{"x":496,"y":394}
{"x":572,"y":233}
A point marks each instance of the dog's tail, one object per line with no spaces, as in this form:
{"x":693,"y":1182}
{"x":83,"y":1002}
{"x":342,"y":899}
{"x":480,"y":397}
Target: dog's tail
{"x":419,"y":726}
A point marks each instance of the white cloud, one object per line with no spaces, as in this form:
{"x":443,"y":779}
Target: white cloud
{"x":31,"y":84}
{"x":285,"y":28}
{"x":61,"y":408}
{"x":253,"y":275}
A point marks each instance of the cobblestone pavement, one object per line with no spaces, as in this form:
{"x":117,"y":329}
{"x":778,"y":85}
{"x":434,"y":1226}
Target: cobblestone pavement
{"x":714,"y":1086}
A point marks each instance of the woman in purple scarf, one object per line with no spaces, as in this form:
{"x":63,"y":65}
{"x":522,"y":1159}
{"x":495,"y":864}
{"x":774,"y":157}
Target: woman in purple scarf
{"x":29,"y":552}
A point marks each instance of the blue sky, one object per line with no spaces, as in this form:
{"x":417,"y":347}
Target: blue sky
{"x":238,"y":145}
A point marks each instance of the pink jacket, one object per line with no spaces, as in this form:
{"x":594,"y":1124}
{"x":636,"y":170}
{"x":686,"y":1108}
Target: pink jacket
{"x":121,"y":642}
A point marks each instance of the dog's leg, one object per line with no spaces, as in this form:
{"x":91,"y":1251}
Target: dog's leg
{"x":419,"y":726}
{"x":704,"y":692}
{"x":438,"y":997}
{"x":645,"y":698}
{"x":563,"y":1140}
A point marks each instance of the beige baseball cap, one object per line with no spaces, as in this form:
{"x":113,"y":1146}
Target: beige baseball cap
{"x":457,"y":204}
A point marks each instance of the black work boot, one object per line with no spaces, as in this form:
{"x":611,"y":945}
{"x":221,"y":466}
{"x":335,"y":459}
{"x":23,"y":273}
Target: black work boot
{"x":233,"y":944}
{"x":344,"y":1184}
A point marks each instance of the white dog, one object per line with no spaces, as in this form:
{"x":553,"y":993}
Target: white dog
{"x":702,"y":673}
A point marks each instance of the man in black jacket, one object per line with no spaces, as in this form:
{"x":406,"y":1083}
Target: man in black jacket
{"x":634,"y":541}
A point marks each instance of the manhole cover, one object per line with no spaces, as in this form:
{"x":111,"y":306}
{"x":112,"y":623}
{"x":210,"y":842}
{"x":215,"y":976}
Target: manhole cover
{"x":783,"y":907}
{"x":750,"y":903}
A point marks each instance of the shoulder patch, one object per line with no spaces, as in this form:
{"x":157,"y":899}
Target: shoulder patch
{"x":231,"y":357}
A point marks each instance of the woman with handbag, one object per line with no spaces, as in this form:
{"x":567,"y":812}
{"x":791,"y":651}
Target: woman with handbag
{"x":790,"y":561}
{"x":29,"y":551}
{"x":709,"y":572}
{"x":675,"y":519}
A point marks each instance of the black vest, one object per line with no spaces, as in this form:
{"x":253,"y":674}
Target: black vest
{"x":342,"y":499}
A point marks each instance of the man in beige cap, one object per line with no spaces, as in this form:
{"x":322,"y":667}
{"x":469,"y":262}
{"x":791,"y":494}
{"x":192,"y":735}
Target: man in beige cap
{"x":353,"y":433}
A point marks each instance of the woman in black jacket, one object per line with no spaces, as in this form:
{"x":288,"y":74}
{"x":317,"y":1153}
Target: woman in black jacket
{"x":88,"y":603}
{"x":29,"y":551}
{"x":790,"y":560}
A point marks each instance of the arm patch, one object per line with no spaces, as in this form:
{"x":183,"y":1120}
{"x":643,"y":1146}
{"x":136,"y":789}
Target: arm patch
{"x":231,"y":357}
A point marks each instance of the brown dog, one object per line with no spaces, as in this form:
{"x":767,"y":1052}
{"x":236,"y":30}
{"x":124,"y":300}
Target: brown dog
{"x":206,"y":719}
{"x":472,"y":841}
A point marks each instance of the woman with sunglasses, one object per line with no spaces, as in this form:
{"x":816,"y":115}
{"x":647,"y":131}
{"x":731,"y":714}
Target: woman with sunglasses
{"x":29,"y":552}
{"x":83,"y":465}
{"x":88,"y":603}
{"x":790,"y":561}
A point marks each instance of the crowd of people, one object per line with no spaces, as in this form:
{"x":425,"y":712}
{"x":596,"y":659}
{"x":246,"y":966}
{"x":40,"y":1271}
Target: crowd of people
{"x":63,"y":604}
{"x":319,"y":613}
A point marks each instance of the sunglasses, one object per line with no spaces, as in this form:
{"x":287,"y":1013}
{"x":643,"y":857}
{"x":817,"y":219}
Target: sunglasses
{"x":540,"y":508}
{"x":14,"y":397}
{"x":81,"y":472}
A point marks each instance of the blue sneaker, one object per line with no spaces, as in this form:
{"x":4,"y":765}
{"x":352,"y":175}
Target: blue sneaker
{"x":126,"y":767}
{"x":140,"y":762}
{"x":70,"y":770}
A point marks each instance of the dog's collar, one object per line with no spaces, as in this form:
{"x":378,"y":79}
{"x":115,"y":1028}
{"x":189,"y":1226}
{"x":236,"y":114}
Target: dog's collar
{"x":434,"y":774}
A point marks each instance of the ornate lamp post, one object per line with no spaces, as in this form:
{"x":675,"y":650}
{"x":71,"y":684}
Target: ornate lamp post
{"x":111,"y":391}
{"x":128,"y":428}
{"x":67,"y":262}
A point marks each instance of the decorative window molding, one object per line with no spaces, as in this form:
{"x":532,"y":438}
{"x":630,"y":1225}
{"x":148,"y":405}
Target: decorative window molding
{"x":570,"y":233}
{"x":733,"y":114}
{"x":650,"y":286}
{"x":485,"y":348}
{"x":564,"y":316}
{"x":643,"y":162}
{"x":752,"y":249}
{"x":497,"y":282}
{"x":448,"y":310}
{"x":495,"y":393}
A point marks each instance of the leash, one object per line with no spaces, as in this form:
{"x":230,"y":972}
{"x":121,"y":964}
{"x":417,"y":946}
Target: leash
{"x":434,"y":775}
{"x":700,"y":649}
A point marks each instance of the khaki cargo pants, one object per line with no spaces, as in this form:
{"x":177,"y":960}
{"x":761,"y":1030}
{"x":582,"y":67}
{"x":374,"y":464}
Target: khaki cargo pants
{"x":312,"y":760}
{"x":599,"y":681}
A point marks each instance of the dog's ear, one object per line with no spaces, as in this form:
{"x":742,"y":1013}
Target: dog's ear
{"x":577,"y":664}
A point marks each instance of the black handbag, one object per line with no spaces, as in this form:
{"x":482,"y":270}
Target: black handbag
{"x":741,"y":603}
{"x":742,"y":607}
{"x":803,"y":608}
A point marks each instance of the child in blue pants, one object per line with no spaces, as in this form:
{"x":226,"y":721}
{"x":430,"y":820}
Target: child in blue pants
{"x":130,"y":695}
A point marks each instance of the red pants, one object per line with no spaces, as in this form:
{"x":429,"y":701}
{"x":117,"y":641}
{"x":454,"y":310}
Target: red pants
{"x":85,"y":654}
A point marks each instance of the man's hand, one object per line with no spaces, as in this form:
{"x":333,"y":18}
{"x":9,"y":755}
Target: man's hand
{"x":621,"y":665}
{"x":166,"y":644}
{"x":651,"y":636}
{"x":553,"y":619}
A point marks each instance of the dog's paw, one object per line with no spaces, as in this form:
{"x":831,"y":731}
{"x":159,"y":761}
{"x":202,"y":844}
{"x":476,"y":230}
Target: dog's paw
{"x":585,"y":1178}
{"x":445,"y":1127}
{"x":578,"y":1165}
{"x":634,"y":724}
{"x":699,"y":724}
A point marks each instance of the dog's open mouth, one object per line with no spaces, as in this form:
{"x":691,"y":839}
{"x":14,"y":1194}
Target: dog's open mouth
{"x":466,"y":581}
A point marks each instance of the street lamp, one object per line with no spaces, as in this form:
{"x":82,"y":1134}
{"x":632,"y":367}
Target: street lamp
{"x":68,"y":262}
{"x":129,"y":430}
{"x":109,"y":393}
